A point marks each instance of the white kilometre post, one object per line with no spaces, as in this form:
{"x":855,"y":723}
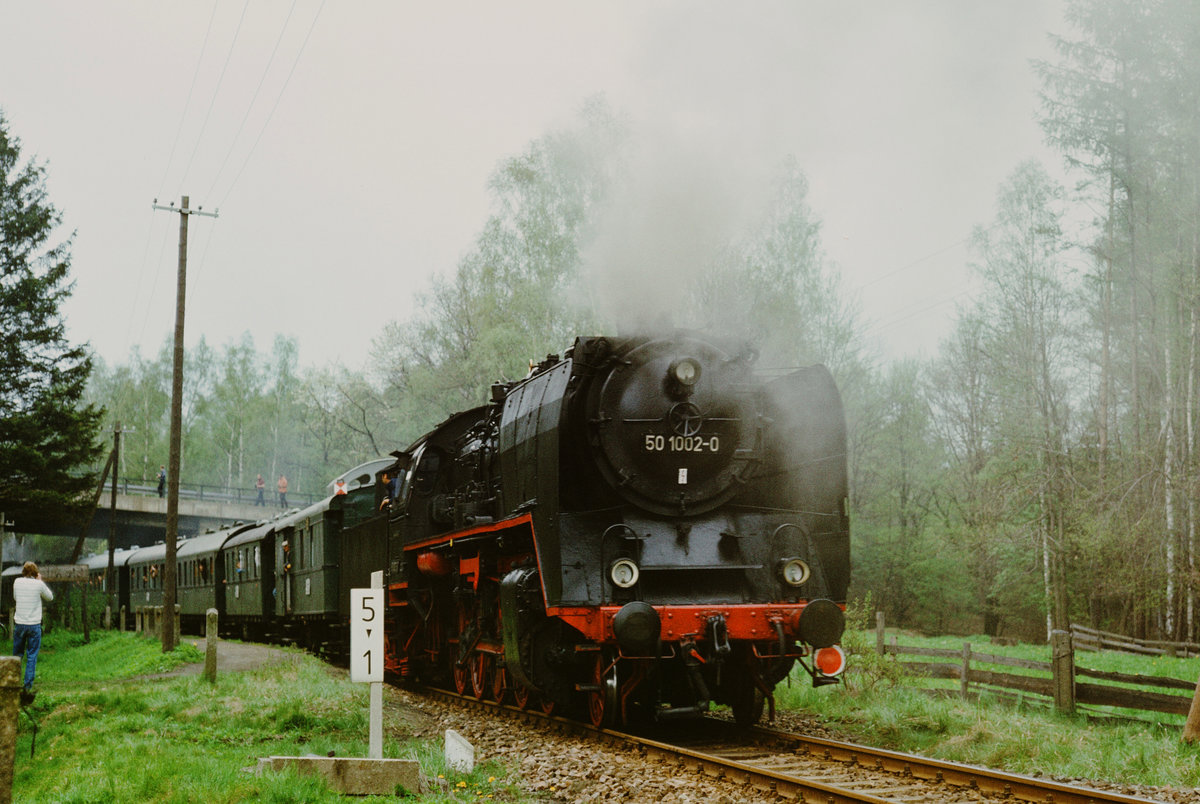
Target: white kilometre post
{"x":366,"y":652}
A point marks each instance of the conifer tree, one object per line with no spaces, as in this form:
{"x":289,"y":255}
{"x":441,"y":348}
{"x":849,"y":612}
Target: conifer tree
{"x":48,"y":437}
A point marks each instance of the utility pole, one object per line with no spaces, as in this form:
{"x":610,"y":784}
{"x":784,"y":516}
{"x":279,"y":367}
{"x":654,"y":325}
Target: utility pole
{"x":110,"y":573}
{"x":169,"y":574}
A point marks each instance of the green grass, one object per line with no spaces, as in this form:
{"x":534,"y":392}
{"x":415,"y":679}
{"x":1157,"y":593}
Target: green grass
{"x":106,"y":734}
{"x":882,"y":706}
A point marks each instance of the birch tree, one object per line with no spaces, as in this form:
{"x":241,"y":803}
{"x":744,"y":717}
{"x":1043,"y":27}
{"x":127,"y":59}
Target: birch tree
{"x":1026,"y":306}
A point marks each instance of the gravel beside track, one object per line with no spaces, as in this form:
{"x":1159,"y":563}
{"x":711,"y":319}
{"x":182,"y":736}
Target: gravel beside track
{"x":561,"y":768}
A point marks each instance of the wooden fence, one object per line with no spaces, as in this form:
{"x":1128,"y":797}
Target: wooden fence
{"x":1058,"y":679}
{"x":1084,"y":638}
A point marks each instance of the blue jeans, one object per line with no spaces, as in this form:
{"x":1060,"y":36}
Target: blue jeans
{"x":27,"y":639}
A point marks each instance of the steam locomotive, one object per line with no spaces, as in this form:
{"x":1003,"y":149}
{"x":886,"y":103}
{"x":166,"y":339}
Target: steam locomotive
{"x":636,"y":530}
{"x":643,"y":526}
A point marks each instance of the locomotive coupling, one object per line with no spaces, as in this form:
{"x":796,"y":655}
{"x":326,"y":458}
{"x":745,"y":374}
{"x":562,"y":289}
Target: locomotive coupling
{"x":718,"y":635}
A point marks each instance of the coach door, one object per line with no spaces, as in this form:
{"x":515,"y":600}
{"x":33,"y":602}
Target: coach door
{"x":287,"y":570}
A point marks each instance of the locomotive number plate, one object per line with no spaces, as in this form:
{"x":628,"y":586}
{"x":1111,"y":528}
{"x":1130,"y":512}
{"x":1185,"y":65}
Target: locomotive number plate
{"x":678,"y":443}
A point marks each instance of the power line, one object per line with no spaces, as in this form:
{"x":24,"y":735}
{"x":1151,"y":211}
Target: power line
{"x":154,"y":288}
{"x":278,"y":98}
{"x":199,"y":272}
{"x":250,"y":106}
{"x":905,"y":316}
{"x":922,"y":259}
{"x":188,"y":101}
{"x":216,"y":91}
{"x":141,"y":282}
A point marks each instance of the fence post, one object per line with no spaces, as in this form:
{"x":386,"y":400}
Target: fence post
{"x":10,"y":683}
{"x":880,"y":648}
{"x":210,"y":645}
{"x":965,"y":675}
{"x":1062,"y":667}
{"x":1191,"y":728}
{"x":83,"y":610}
{"x":122,"y":618}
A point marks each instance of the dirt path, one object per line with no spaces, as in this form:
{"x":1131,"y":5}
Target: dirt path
{"x":233,"y":657}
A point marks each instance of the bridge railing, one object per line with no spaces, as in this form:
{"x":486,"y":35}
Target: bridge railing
{"x":244,"y":496}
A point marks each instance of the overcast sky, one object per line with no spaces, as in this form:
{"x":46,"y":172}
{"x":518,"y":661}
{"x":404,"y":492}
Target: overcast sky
{"x":348,"y":144}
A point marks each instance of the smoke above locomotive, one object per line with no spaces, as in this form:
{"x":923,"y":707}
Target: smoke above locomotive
{"x":642,"y":527}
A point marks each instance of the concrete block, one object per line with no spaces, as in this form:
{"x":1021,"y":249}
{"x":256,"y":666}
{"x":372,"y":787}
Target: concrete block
{"x":356,"y":776}
{"x":460,"y":754}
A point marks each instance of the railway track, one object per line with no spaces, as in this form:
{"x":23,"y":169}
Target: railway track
{"x":810,"y":769}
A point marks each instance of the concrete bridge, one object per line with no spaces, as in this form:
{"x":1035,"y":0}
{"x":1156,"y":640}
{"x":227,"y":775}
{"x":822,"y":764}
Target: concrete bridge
{"x":142,"y":519}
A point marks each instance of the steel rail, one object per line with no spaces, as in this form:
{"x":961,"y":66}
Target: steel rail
{"x":986,"y":780}
{"x":901,"y":768}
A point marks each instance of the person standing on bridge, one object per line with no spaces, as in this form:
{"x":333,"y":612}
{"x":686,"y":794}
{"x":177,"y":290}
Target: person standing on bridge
{"x":162,"y":480}
{"x":282,"y":486}
{"x":260,"y":485}
{"x":28,"y":593}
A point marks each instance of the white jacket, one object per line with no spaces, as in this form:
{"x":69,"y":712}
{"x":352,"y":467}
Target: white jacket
{"x":29,"y":594}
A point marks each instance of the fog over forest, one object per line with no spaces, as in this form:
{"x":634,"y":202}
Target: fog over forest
{"x":980,"y":217}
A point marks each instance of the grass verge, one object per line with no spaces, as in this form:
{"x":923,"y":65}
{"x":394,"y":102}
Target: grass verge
{"x":106,"y":733}
{"x":882,"y":706}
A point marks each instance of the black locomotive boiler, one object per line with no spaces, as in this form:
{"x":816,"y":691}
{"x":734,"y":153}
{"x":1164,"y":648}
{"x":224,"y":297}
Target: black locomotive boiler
{"x":642,"y":527}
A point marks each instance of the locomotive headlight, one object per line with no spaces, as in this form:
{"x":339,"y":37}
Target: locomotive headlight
{"x":686,"y":372}
{"x":624,"y":573}
{"x":794,"y":571}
